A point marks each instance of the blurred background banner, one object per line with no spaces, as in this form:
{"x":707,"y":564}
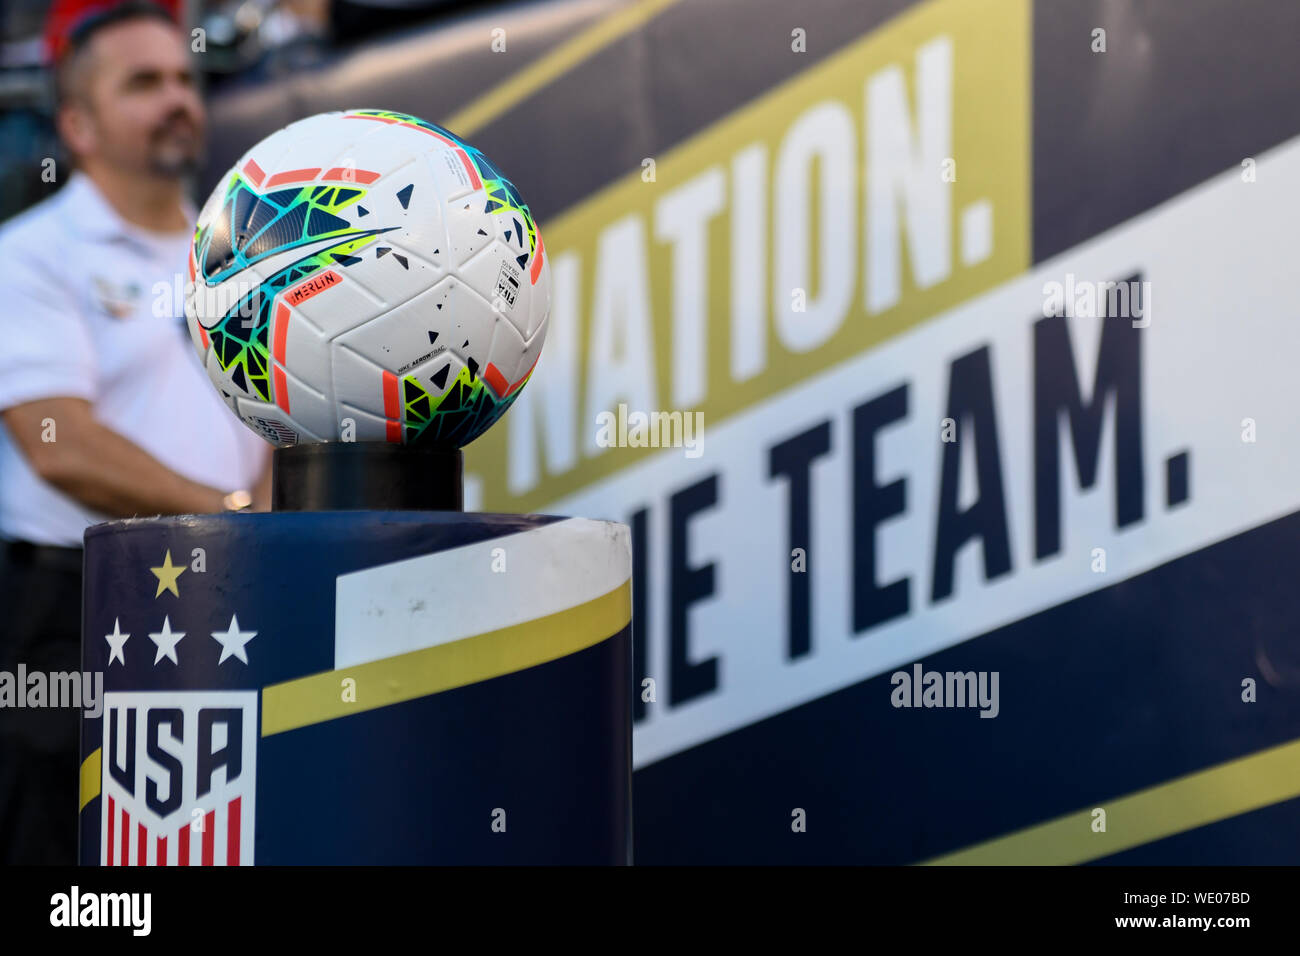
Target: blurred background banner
{"x":941,"y":357}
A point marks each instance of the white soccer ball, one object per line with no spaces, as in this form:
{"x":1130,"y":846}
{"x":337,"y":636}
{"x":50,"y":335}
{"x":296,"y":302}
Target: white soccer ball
{"x":367,"y":276}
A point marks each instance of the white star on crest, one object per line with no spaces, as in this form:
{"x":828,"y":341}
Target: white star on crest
{"x":167,"y":639}
{"x":115,"y":642}
{"x":233,"y":640}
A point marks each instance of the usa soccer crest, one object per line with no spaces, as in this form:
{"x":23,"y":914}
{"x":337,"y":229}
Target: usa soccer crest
{"x":179,"y":778}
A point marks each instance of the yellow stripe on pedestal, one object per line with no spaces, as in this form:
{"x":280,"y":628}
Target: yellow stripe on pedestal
{"x":91,"y":769}
{"x":312,"y":700}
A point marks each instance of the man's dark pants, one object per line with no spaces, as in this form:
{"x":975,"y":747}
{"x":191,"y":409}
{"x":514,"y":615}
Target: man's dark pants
{"x":40,"y":627}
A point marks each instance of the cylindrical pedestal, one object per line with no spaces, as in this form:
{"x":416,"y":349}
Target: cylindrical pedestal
{"x":358,"y":687}
{"x":357,"y":476}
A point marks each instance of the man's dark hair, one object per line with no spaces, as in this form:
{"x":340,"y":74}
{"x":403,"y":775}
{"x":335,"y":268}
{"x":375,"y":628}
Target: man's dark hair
{"x":72,"y":58}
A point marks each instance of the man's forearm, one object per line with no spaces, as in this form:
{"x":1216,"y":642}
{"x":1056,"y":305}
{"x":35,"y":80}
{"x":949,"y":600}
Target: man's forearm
{"x":112,"y":475}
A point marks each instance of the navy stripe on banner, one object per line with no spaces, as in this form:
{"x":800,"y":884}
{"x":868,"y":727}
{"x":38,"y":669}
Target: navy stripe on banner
{"x":1107,"y":694}
{"x":1184,"y":91}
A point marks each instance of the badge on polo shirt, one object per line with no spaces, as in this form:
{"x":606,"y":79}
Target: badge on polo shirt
{"x":116,"y":299}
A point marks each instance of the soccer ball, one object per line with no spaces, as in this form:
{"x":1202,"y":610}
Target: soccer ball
{"x":367,"y":276}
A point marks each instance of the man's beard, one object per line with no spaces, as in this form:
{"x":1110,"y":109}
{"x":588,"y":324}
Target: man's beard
{"x":173,"y":167}
{"x":175,"y":162}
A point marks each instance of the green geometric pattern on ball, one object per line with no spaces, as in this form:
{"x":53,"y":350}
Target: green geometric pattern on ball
{"x":466,"y":410}
{"x":251,"y":227}
{"x":239,"y":340}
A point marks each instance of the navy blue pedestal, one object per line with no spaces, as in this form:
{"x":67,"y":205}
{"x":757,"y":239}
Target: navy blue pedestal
{"x":358,"y":688}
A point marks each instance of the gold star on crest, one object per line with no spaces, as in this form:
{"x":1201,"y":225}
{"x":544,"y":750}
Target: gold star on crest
{"x":167,"y":575}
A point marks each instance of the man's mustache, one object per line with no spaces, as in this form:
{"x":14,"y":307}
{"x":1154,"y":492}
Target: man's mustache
{"x":177,"y":122}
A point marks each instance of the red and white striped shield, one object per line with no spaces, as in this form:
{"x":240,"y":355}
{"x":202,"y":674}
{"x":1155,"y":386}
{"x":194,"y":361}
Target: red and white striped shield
{"x":179,"y":778}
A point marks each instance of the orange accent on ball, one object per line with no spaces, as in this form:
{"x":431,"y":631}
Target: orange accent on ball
{"x":293,"y":176}
{"x":469,"y":168}
{"x":281,"y":389}
{"x":348,"y":175}
{"x":281,"y":330}
{"x":314,"y":286}
{"x":523,"y":378}
{"x":536,"y":269}
{"x":391,"y":408}
{"x":492,"y":375}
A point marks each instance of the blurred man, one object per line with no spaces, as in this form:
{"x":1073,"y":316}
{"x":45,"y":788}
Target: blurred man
{"x":105,"y":410}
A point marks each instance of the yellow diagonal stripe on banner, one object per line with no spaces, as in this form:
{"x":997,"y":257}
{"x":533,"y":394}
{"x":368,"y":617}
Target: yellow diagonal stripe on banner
{"x":318,"y":698}
{"x":1181,"y":804}
{"x":552,"y":65}
{"x":985,"y":52}
{"x":91,"y":769}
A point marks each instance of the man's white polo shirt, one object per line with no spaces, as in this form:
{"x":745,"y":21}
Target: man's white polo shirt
{"x":91,"y":307}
